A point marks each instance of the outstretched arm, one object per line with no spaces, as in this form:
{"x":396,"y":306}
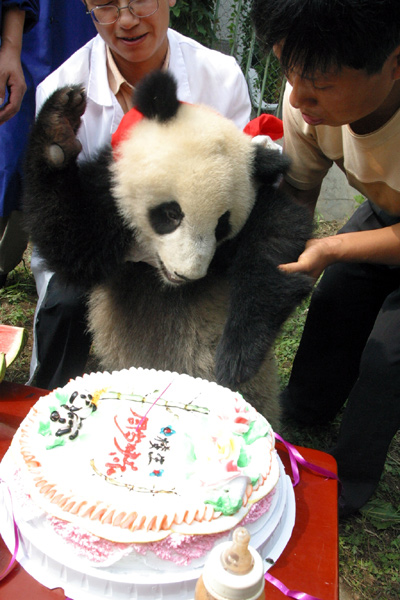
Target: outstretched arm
{"x":70,"y":213}
{"x":380,"y":246}
{"x":262,"y":295}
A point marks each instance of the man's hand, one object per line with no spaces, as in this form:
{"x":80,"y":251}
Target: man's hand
{"x":11,"y":73}
{"x":315,"y":258}
{"x":379,"y":246}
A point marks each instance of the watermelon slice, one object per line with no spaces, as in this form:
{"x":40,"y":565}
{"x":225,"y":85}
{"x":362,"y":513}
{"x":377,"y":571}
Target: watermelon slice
{"x":2,"y":366}
{"x":12,"y":341}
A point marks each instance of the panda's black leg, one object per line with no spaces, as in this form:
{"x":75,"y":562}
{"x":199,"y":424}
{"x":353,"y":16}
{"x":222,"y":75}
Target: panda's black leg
{"x":254,"y":322}
{"x":262,"y":296}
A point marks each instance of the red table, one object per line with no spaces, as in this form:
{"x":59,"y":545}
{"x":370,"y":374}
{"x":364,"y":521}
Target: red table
{"x":308,"y":564}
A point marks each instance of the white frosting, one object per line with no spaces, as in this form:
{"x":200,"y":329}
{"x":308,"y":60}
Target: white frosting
{"x":163,"y":453}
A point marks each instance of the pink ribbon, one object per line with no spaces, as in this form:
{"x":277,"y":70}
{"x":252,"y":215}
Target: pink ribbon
{"x":296,"y":458}
{"x":289,"y":593}
{"x":154,"y":403}
{"x":16,"y":539}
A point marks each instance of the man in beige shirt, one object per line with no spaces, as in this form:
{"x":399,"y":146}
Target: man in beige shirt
{"x":342,"y":105}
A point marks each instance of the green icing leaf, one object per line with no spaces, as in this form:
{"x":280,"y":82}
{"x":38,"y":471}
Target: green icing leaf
{"x":226,"y":505}
{"x":255,"y":431}
{"x":243,"y":459}
{"x":189,"y":449}
{"x":57,"y":442}
{"x":61,"y":397}
{"x":44,"y":428}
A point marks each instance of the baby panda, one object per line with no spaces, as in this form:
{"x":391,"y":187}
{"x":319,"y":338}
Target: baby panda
{"x":176,"y":230}
{"x":70,"y":415}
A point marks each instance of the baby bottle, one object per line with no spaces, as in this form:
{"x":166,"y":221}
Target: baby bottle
{"x":233,"y":571}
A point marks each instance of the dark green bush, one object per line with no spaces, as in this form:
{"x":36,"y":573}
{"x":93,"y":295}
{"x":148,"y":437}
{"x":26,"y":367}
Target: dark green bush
{"x":195,"y":18}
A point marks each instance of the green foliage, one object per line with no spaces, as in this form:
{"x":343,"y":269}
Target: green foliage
{"x":263,"y":71}
{"x":359,"y":198}
{"x":198,"y":19}
{"x":369,"y":559}
{"x":16,"y":292}
{"x":194,"y":18}
{"x":240,"y":28}
{"x":15,"y":299}
{"x":288,"y":341}
{"x":381,"y":514}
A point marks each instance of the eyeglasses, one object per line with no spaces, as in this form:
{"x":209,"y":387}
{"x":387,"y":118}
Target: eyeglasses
{"x":109,"y":13}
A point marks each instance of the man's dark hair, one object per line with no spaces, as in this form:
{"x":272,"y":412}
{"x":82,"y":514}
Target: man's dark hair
{"x":317,"y":36}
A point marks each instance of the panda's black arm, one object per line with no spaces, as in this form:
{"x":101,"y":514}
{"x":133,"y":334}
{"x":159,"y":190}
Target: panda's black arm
{"x":262,"y":296}
{"x":68,"y":208}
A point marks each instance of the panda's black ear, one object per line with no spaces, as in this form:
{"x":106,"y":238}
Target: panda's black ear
{"x":156,"y":96}
{"x":269,"y":165}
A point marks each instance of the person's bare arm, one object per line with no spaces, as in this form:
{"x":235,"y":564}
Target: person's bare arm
{"x":11,"y":73}
{"x":374,"y":246}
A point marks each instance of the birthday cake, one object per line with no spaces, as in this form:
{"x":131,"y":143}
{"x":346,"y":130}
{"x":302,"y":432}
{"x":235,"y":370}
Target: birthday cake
{"x":143,"y":469}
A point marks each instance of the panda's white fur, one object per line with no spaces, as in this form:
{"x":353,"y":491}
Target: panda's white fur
{"x":181,"y":338}
{"x":198,"y":159}
{"x":176,"y":236}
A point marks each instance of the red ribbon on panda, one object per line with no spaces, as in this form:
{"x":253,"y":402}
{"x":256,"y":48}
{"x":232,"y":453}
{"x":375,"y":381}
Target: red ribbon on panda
{"x":263,"y":125}
{"x":128,"y":121}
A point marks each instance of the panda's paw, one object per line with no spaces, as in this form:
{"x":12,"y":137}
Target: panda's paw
{"x":58,"y":123}
{"x":236,"y":363}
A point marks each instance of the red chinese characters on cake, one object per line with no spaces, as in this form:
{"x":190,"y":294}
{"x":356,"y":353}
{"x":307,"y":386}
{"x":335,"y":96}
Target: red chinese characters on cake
{"x":129,"y":446}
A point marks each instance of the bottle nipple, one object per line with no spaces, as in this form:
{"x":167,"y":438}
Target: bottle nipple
{"x":237,"y":557}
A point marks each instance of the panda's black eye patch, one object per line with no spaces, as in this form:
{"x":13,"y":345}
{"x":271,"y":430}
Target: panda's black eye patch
{"x":223,"y":227}
{"x":166,"y":217}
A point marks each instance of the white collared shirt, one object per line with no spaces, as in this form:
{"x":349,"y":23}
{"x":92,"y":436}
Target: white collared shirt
{"x":204,"y":76}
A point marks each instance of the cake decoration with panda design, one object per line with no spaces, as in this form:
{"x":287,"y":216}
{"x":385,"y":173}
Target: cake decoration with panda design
{"x":149,"y":456}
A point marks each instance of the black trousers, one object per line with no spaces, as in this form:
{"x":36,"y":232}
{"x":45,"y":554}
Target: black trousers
{"x":63,"y":342}
{"x":350,"y":350}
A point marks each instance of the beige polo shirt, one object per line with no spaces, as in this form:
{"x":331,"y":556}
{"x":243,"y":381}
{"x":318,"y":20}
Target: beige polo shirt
{"x":123,"y":90}
{"x":371,"y":162}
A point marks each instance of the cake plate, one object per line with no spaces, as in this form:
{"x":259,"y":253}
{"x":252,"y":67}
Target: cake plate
{"x":47,"y":557}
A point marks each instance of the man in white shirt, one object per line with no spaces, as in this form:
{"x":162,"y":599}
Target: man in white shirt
{"x":134,"y":39}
